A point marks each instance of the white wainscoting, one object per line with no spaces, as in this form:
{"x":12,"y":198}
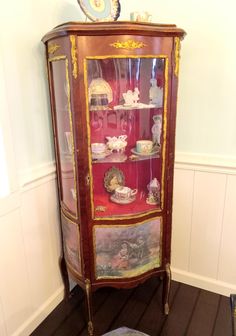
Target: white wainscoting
{"x":203,"y":242}
{"x":204,"y":223}
{"x":30,"y":282}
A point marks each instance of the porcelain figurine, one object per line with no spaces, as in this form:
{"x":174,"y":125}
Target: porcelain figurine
{"x":117,"y":143}
{"x":128,"y":97}
{"x":156,"y":130}
{"x":136,"y":96}
{"x":131,"y":97}
{"x":153,"y":192}
{"x":155,"y":93}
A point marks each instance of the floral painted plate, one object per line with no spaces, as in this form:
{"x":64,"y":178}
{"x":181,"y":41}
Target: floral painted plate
{"x":101,"y":10}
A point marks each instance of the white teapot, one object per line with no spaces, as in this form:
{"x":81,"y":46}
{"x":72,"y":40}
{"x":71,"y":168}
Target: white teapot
{"x":117,"y":143}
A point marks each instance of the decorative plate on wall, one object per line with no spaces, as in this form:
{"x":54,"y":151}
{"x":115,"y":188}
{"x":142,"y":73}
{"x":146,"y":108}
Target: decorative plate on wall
{"x":101,"y":10}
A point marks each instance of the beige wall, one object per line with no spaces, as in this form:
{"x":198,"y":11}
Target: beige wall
{"x":203,"y":250}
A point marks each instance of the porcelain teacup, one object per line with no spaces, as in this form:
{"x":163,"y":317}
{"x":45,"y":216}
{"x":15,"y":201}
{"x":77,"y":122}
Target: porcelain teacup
{"x":98,"y":147}
{"x":140,"y":16}
{"x":144,"y":146}
{"x":124,"y":193}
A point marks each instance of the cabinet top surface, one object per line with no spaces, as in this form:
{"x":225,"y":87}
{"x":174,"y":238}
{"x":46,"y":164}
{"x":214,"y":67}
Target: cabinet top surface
{"x":114,"y":28}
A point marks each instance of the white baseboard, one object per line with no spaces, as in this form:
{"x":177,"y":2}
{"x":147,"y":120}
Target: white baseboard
{"x":40,"y":314}
{"x":199,"y":281}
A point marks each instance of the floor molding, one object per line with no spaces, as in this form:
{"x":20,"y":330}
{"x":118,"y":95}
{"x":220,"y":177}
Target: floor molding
{"x":202,"y":282}
{"x":40,"y":314}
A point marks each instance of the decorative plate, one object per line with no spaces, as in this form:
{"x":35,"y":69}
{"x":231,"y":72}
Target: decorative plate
{"x":113,"y":179}
{"x":101,"y":10}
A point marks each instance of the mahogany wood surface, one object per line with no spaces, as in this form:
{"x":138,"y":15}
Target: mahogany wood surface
{"x":114,"y":28}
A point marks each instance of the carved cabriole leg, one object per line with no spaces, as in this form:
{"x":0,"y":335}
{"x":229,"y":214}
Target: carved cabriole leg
{"x":166,"y":289}
{"x":89,"y":307}
{"x":65,"y":278}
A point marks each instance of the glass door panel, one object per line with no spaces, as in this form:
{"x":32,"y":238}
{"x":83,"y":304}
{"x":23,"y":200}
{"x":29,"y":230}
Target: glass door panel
{"x":64,"y":130}
{"x":126,"y":115}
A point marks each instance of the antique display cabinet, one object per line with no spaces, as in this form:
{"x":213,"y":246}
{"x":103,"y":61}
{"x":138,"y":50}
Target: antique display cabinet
{"x":113,"y":89}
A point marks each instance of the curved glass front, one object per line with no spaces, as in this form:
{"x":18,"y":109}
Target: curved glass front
{"x":63,"y":124}
{"x":126,"y":100}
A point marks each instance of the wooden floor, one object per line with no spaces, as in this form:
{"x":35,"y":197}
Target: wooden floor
{"x":194,"y":312}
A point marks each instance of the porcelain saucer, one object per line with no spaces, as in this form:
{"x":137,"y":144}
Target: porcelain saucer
{"x":100,"y":156}
{"x":125,"y":201}
{"x":153,"y":152}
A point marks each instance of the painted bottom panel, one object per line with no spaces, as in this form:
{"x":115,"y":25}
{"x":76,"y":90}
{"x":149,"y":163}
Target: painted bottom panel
{"x":71,"y":244}
{"x":125,"y":251}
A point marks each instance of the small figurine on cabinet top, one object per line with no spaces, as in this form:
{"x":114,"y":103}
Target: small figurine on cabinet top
{"x":140,"y":16}
{"x":155,"y":93}
{"x":153,"y":192}
{"x":156,"y":130}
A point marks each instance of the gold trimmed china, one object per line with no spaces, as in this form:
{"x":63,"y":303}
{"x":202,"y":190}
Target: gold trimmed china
{"x":153,"y":152}
{"x":144,"y":147}
{"x":124,"y":195}
{"x":140,"y":16}
{"x":101,"y":10}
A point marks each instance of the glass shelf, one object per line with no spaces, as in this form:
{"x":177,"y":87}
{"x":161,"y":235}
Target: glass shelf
{"x":116,"y":157}
{"x":125,"y":108}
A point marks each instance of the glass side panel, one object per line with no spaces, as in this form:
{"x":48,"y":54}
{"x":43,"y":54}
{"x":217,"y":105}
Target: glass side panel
{"x":125,"y":251}
{"x":64,"y":131}
{"x":127,"y":136}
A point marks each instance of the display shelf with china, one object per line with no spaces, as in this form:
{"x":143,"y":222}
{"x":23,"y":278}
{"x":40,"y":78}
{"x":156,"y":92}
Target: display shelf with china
{"x":113,"y":89}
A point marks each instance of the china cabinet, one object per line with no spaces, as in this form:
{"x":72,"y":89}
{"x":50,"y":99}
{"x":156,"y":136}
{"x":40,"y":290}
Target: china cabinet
{"x":113,"y":88}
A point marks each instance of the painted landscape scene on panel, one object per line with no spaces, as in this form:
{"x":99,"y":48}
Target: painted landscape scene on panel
{"x":124,"y":251}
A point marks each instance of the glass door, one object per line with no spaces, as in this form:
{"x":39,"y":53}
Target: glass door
{"x":126,"y":98}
